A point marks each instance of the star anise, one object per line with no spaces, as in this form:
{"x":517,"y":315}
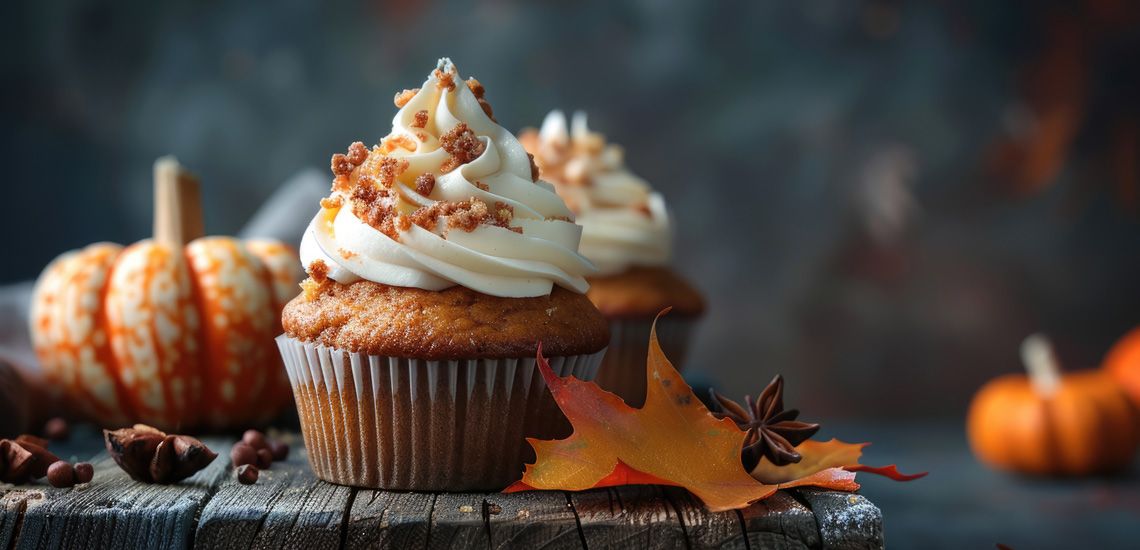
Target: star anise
{"x":772,"y":432}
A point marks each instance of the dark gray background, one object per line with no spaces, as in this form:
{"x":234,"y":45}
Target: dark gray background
{"x":780,"y":133}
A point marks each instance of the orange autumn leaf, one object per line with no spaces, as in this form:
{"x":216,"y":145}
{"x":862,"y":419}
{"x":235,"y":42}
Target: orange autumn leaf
{"x":671,"y":440}
{"x":829,"y":464}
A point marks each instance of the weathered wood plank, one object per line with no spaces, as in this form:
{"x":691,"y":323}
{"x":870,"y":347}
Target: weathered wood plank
{"x":780,"y":521}
{"x":457,"y":521}
{"x":538,"y":519}
{"x":116,"y":511}
{"x":705,"y":529}
{"x":288,"y":507}
{"x":383,"y":519}
{"x":635,"y":516}
{"x":847,"y":521}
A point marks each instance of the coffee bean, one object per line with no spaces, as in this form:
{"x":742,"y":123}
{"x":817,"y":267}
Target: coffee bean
{"x":247,"y":474}
{"x":242,"y":454}
{"x":84,"y":471}
{"x":61,"y":474}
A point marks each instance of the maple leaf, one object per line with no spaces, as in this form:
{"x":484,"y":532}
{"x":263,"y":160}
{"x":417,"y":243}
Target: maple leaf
{"x":671,"y":440}
{"x":829,"y":464}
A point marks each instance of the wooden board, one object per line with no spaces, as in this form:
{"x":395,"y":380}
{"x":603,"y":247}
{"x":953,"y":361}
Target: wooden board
{"x":289,"y":507}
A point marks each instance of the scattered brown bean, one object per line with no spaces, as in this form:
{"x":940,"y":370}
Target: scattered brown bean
{"x":264,"y":459}
{"x":247,"y":474}
{"x":61,"y":474}
{"x":242,"y":453}
{"x":84,"y":472}
{"x":255,"y":439}
{"x":280,"y":449}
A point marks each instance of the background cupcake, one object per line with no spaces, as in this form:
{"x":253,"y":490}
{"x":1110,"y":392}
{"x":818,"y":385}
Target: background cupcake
{"x":436,"y":265}
{"x":628,"y":235}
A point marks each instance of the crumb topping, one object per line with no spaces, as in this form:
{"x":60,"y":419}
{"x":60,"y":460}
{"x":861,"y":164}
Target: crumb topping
{"x":318,"y":271}
{"x":372,"y":205}
{"x":465,"y":215}
{"x":332,"y":203}
{"x":340,"y":165}
{"x":421,"y":119}
{"x":357,"y":153}
{"x":405,"y":96}
{"x":463,"y":146}
{"x":476,"y":88}
{"x":483,"y":186}
{"x":534,"y":171}
{"x":390,"y":144}
{"x":425,"y":183}
{"x":444,"y":80}
{"x":346,"y":254}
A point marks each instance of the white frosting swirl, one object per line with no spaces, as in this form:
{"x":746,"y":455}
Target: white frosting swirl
{"x":625,"y":223}
{"x":491,"y":259}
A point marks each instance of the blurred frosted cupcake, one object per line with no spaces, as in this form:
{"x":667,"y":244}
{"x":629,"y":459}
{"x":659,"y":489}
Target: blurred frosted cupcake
{"x":627,"y":234}
{"x":436,"y":265}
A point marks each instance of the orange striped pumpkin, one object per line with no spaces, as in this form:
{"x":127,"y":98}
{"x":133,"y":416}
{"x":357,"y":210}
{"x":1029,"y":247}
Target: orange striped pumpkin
{"x":179,"y":337}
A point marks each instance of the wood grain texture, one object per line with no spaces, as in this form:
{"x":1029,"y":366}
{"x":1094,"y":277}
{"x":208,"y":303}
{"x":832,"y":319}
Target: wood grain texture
{"x":288,"y":507}
{"x":636,"y":516}
{"x":542,"y":519}
{"x":780,"y":521}
{"x":114,"y":511}
{"x":705,"y":529}
{"x":847,"y":521}
{"x":383,"y":519}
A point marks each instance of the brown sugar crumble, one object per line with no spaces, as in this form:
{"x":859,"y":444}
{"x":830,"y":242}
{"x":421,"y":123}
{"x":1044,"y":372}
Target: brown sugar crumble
{"x":340,"y":165}
{"x":463,"y":146}
{"x":318,"y":271}
{"x":476,"y":88}
{"x":425,"y":183}
{"x":357,"y":152}
{"x":346,"y":254}
{"x":405,"y":96}
{"x":483,"y":186}
{"x":534,"y":171}
{"x":421,"y":119}
{"x":465,"y":215}
{"x":392,"y":142}
{"x":444,"y":80}
{"x":332,"y":203}
{"x":370,"y":203}
{"x":487,"y":109}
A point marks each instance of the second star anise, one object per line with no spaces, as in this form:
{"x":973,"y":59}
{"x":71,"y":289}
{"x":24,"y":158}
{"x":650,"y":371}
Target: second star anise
{"x":772,"y":432}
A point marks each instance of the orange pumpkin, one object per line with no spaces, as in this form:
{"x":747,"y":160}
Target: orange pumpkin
{"x":175,"y":331}
{"x":1123,"y":363}
{"x":1051,"y":423}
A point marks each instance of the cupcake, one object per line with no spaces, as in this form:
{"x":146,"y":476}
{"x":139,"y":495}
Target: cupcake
{"x":627,"y":234}
{"x":436,"y":266}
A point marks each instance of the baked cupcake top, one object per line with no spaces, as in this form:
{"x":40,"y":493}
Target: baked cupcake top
{"x":448,"y":198}
{"x":625,"y":223}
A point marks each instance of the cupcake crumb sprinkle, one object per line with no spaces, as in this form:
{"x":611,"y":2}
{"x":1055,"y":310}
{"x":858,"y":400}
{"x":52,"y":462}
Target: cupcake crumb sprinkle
{"x":318,"y":271}
{"x":421,"y":119}
{"x":483,"y":186}
{"x":476,"y":87}
{"x":357,"y":153}
{"x":425,"y":183}
{"x":445,"y":80}
{"x":405,"y":96}
{"x":463,"y":146}
{"x":332,"y":203}
{"x":340,"y":165}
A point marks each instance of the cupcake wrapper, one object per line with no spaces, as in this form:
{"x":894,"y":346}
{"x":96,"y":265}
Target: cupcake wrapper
{"x":410,"y":424}
{"x":623,"y":369}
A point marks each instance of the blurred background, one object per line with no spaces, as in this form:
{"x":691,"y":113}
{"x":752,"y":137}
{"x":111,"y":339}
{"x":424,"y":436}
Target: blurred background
{"x":880,"y":199}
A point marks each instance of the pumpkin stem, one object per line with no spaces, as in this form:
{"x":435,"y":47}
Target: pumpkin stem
{"x":1041,"y":362}
{"x":177,"y":204}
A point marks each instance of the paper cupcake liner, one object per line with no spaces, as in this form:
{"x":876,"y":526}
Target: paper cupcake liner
{"x":623,"y":369}
{"x":409,"y":424}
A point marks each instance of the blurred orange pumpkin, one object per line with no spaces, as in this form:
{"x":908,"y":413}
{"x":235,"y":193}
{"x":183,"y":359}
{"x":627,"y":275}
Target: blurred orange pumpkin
{"x":1051,"y":423}
{"x":175,"y":331}
{"x":1123,"y":363}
